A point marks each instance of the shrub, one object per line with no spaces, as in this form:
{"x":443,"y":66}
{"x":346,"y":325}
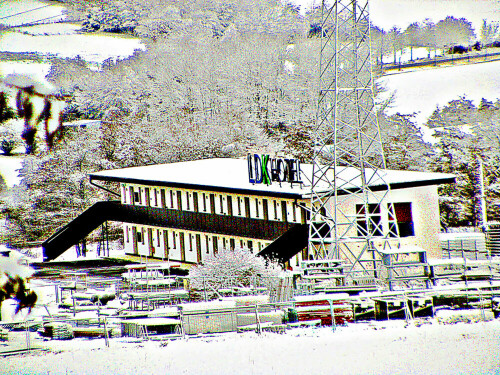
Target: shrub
{"x":238,"y":267}
{"x":9,"y":141}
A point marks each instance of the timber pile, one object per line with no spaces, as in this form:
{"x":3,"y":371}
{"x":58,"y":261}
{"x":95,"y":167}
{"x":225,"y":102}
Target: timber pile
{"x":58,"y":331}
{"x":4,"y":335}
{"x":318,"y":307}
{"x":91,"y":332}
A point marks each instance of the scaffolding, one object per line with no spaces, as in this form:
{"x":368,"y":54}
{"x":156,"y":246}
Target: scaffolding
{"x":348,"y":164}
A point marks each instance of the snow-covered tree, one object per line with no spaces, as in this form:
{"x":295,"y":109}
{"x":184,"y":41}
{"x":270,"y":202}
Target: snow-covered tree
{"x":238,"y":267}
{"x":454,"y":31}
{"x":490,"y":32}
{"x":54,"y":188}
{"x":403,"y":143}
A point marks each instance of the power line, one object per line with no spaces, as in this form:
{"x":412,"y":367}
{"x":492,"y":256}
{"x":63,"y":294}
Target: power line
{"x":26,"y":11}
{"x":32,"y":23}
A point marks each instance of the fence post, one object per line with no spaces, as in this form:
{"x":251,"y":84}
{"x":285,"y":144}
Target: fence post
{"x":332,"y":314}
{"x":257,"y":320}
{"x":28,"y":339}
{"x":106,"y":337}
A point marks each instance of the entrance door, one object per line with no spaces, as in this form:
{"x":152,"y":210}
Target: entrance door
{"x":212,"y":203}
{"x":183,"y":247}
{"x":150,"y":242}
{"x":195,"y":201}
{"x":135,"y":248}
{"x":265,"y":209}
{"x":162,"y":198}
{"x":198,"y":247}
{"x":230,"y":205}
{"x":179,"y":200}
{"x":247,"y":207}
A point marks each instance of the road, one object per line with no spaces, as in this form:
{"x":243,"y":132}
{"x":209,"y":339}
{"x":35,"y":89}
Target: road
{"x":470,"y":58}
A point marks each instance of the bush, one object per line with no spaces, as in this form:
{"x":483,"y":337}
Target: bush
{"x":238,"y":267}
{"x":9,"y":141}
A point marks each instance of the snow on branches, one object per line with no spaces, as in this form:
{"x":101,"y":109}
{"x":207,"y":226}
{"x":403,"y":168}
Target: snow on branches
{"x":238,"y":267}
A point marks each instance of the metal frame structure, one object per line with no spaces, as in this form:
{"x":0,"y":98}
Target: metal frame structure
{"x":348,"y":156}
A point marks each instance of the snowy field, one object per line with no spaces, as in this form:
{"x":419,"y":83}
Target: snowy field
{"x":421,"y":91}
{"x":9,"y":169}
{"x":392,"y":347}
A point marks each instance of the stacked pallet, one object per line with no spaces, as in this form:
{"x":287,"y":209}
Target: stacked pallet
{"x":320,"y":307}
{"x":58,"y":331}
{"x":4,"y":335}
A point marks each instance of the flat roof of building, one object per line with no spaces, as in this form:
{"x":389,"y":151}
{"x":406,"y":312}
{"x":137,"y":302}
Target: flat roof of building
{"x":231,"y":175}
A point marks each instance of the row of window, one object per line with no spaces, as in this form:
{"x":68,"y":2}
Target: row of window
{"x":180,"y":245}
{"x":216,"y":203}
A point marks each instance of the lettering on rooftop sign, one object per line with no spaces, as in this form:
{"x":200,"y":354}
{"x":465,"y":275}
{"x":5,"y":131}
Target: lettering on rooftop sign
{"x":263,"y":169}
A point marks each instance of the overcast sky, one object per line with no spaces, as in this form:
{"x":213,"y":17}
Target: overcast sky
{"x":387,"y":13}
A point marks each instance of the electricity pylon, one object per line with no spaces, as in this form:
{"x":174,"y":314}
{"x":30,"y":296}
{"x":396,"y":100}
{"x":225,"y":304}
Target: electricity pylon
{"x":350,"y":216}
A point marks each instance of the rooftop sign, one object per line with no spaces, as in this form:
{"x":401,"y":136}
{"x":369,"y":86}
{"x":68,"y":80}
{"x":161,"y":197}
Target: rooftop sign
{"x":263,"y":169}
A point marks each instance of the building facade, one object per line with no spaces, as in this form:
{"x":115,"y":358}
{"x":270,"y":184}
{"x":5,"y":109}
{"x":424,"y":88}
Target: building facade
{"x":213,"y":204}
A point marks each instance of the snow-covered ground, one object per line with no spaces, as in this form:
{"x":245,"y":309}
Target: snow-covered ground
{"x":423,"y":90}
{"x":9,"y":169}
{"x":392,"y":347}
{"x":93,"y":48}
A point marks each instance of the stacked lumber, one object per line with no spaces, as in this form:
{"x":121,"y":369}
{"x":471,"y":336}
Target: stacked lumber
{"x":58,"y":331}
{"x":318,"y":307}
{"x":4,"y":335}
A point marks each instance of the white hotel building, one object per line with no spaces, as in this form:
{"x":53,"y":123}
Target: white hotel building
{"x":186,"y":211}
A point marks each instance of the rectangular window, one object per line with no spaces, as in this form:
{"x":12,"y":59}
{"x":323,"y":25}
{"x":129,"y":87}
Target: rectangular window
{"x":221,"y":205}
{"x":232,"y":244}
{"x":207,"y":241}
{"x":404,"y":219}
{"x":158,"y":237}
{"x":275,"y":206}
{"x":250,"y":246}
{"x":256,"y":207}
{"x":187,"y":201}
{"x":139,"y":236}
{"x":294,"y":212}
{"x":156,"y":197}
{"x":171,"y":199}
{"x":373,"y":226}
{"x":137,"y":197}
{"x":204,"y":202}
{"x":126,"y":232}
{"x":148,"y":198}
{"x":239,"y":205}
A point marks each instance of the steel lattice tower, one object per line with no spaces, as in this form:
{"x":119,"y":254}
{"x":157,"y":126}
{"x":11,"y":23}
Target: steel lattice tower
{"x":349,"y":165}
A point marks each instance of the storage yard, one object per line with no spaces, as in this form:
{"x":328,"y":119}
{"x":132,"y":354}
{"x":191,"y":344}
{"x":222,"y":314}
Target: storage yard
{"x":150,"y":310}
